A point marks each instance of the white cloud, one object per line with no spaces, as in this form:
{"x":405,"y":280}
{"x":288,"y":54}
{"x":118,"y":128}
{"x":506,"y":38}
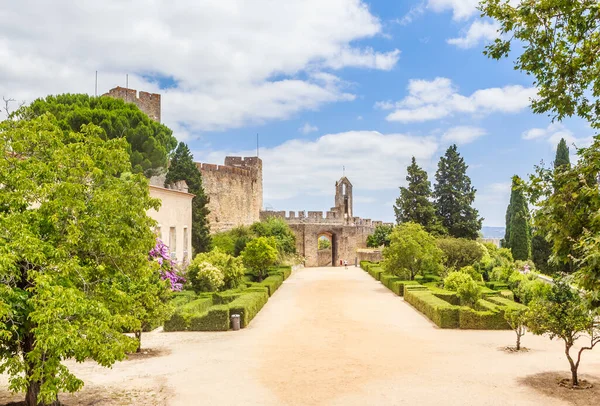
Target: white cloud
{"x":461,"y":9}
{"x":477,"y":32}
{"x":307,"y":128}
{"x":412,"y":14}
{"x":554,"y":133}
{"x":491,"y":202}
{"x":373,"y":162}
{"x":463,"y":134}
{"x":439,"y":98}
{"x":229,"y":63}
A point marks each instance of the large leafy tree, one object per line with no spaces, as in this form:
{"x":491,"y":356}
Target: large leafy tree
{"x":149,"y":142}
{"x":74,"y":237}
{"x":259,"y":254}
{"x":182,"y":167}
{"x":454,"y":196}
{"x":562,"y":155}
{"x":518,"y":223}
{"x":414,"y":204}
{"x":380,"y":236}
{"x":412,"y":251}
{"x":558,"y":43}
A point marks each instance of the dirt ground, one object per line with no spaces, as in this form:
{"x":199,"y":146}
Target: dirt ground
{"x":334,"y":336}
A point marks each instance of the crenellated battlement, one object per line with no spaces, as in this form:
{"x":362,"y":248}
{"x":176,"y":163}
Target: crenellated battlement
{"x":148,"y":102}
{"x":319,"y":217}
{"x":249,"y":167}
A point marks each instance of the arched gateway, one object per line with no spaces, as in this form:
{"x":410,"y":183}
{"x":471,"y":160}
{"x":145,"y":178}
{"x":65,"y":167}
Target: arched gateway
{"x":346,"y":233}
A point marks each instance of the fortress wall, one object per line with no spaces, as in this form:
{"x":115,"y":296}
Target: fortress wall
{"x":149,"y":103}
{"x":234,"y":190}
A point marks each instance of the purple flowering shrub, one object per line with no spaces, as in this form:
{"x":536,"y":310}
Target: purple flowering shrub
{"x":160,"y":253}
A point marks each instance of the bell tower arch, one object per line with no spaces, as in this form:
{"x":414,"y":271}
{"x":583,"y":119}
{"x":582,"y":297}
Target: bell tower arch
{"x":343,"y":198}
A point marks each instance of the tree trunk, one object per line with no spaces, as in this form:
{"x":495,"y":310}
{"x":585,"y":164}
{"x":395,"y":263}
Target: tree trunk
{"x":33,"y":388}
{"x":138,"y":337}
{"x":518,"y":342}
{"x":574,"y":380}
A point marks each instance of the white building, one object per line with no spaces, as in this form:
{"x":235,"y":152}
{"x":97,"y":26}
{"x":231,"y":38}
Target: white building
{"x":174,"y":219}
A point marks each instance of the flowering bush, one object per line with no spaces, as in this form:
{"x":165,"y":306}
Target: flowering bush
{"x":204,"y":276}
{"x":231,"y":267}
{"x":160,"y":253}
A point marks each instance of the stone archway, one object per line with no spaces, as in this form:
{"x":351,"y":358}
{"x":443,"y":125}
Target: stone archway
{"x":327,"y":255}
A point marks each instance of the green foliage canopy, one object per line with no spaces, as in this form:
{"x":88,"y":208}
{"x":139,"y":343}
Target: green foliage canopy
{"x":279,"y":230}
{"x":454,"y":196}
{"x":182,"y":167}
{"x":74,"y":236}
{"x":149,"y":142}
{"x":559,"y":42}
{"x":562,"y":155}
{"x":259,"y":254}
{"x":380,"y":237}
{"x":412,"y":250}
{"x":414,"y":204}
{"x":460,"y":252}
{"x":231,"y":267}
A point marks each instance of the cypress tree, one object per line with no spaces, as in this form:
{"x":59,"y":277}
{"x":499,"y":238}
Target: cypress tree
{"x":562,"y":155}
{"x":518,"y":229}
{"x":414,"y":204}
{"x":182,"y":167}
{"x":454,"y":196}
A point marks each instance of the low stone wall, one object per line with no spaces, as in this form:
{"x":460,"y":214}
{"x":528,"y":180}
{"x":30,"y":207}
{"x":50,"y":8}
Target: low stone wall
{"x":372,"y":255}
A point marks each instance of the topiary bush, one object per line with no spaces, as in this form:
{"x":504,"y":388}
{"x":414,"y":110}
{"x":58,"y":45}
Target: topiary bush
{"x":248,"y":305}
{"x":204,"y":277}
{"x":465,"y":287}
{"x":273,"y":283}
{"x":231,"y":267}
{"x":215,"y":319}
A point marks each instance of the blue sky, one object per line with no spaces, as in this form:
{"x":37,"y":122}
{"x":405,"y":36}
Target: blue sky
{"x":360,"y":84}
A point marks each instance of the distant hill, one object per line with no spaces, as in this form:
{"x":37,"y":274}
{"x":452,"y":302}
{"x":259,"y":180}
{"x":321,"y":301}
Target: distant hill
{"x":492,"y":232}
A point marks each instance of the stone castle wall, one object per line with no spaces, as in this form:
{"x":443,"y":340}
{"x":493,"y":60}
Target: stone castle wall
{"x":149,"y":103}
{"x":235,"y":191}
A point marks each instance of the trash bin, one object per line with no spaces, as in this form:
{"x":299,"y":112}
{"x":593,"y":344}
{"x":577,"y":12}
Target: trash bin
{"x":235,"y":322}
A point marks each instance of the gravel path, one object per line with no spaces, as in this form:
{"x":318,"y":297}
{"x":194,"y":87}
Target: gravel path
{"x":331,"y":336}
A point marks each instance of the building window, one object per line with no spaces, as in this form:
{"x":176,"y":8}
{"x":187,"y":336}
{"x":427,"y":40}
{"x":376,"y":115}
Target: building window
{"x":157,"y":232}
{"x":173,"y":242}
{"x":185,"y":245}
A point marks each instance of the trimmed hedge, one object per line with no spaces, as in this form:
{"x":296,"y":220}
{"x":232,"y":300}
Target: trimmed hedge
{"x":442,"y":313}
{"x":496,"y":285}
{"x":482,"y":320}
{"x":284,"y":271}
{"x":225,"y":297}
{"x":398,"y":286}
{"x":248,"y":306}
{"x":502,"y":301}
{"x":376,"y":271}
{"x":216,"y":319}
{"x":272,"y":282}
{"x":180,"y":321}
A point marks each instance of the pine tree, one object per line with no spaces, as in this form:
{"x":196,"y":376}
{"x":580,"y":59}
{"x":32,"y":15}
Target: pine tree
{"x":562,"y":155}
{"x":518,"y":228}
{"x":454,"y":196}
{"x":182,"y":167}
{"x":414,"y":204}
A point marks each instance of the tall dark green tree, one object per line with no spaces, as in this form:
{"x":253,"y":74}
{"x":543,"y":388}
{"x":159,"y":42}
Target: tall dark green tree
{"x":182,"y":167}
{"x":518,"y":222}
{"x":562,"y":155}
{"x":414,"y":204}
{"x":150,"y":142}
{"x":454,"y":196}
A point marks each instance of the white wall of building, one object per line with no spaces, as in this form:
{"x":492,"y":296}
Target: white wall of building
{"x":174,"y":220}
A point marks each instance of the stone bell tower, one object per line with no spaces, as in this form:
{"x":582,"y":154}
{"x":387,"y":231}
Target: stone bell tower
{"x":343,"y":198}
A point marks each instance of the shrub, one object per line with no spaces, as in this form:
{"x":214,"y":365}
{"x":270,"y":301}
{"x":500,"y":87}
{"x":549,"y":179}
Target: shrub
{"x":258,"y":255}
{"x":442,"y":313}
{"x":460,"y":252}
{"x":216,"y":319}
{"x":502,"y":272}
{"x":248,"y":305}
{"x":398,"y":286}
{"x":465,"y":287}
{"x":472,"y":272}
{"x":273,"y":283}
{"x":204,"y":277}
{"x":180,"y":321}
{"x":284,"y":237}
{"x":411,"y":249}
{"x":231,"y":267}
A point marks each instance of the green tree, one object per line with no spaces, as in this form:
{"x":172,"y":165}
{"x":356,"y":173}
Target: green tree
{"x":562,"y":155}
{"x":541,"y":250}
{"x":516,"y":319}
{"x":468,"y":291}
{"x":182,"y":167}
{"x":279,"y":230}
{"x":74,"y":237}
{"x":563,"y":314}
{"x":412,"y":250}
{"x":454,"y":196}
{"x":149,"y":142}
{"x":518,"y":225}
{"x":558,"y":43}
{"x":325,"y":244}
{"x":414,"y":204}
{"x":460,"y":252}
{"x":259,"y":254}
{"x":204,"y":276}
{"x":231,"y":267}
{"x":380,"y":236}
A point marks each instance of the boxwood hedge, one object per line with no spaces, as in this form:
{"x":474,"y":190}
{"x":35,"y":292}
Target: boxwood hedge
{"x":248,"y":306}
{"x":215,"y":319}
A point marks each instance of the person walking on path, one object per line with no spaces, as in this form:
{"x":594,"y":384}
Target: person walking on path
{"x":346,"y":264}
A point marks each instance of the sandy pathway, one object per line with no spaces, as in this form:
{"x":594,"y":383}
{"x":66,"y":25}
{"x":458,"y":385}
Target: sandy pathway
{"x":331,"y":336}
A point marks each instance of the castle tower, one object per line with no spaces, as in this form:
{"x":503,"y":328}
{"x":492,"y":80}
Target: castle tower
{"x":343,"y":198}
{"x":149,"y":103}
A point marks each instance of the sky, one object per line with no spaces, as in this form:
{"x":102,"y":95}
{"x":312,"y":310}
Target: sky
{"x":331,"y":87}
